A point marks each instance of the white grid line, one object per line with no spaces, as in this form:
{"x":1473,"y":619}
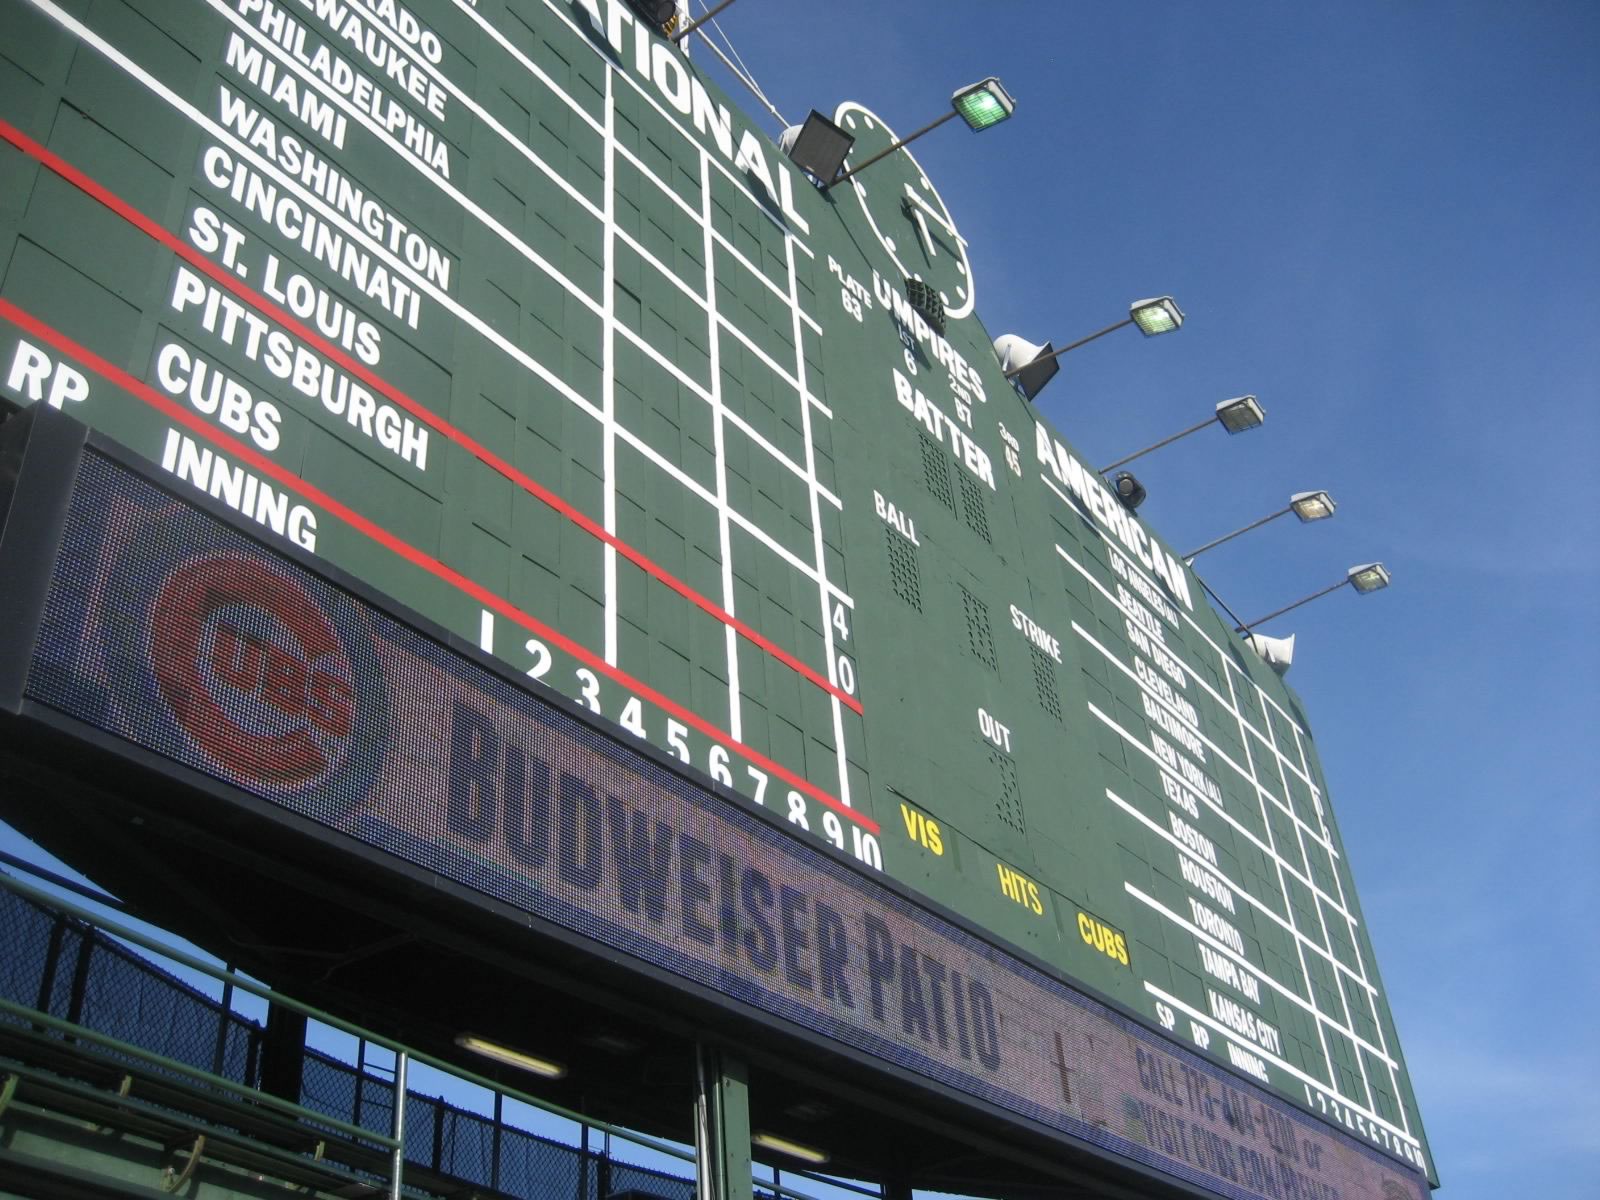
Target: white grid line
{"x":1150,"y":691}
{"x":404,"y":153}
{"x":469,"y":8}
{"x":1207,"y":1019}
{"x":841,"y":757}
{"x":1231,"y":821}
{"x":1230,"y":665}
{"x":1230,"y":705}
{"x":608,"y":377}
{"x":270,"y":169}
{"x":724,"y":537}
{"x":682,"y":377}
{"x":566,"y":19}
{"x":1188,"y":670}
{"x":647,"y":172}
{"x":1371,"y":990}
{"x":1300,"y":941}
{"x":421,"y":63}
{"x":1322,"y":918}
{"x":602,"y":308}
{"x":1228,"y":952}
{"x":1256,"y":902}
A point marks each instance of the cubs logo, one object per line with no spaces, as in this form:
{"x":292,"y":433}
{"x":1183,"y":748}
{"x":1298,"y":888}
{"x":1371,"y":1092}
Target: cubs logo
{"x":208,"y":648}
{"x":253,"y":671}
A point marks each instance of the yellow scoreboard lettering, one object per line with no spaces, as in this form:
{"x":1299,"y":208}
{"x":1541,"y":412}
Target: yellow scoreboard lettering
{"x":1103,"y":938}
{"x":1020,"y":888}
{"x":922,"y":829}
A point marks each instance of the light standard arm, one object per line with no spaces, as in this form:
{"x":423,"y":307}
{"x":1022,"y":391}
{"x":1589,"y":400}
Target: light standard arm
{"x":884,"y":153}
{"x":1122,"y":462}
{"x":1291,"y":607}
{"x":1228,"y":537}
{"x":1220,"y":602}
{"x":693,"y":25}
{"x":1015,"y":371}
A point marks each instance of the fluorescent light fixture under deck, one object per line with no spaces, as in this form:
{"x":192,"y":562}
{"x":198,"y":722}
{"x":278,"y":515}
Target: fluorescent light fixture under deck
{"x":793,"y":1149}
{"x":542,"y":1067}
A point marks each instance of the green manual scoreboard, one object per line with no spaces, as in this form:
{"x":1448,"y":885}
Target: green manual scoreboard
{"x":500,"y":308}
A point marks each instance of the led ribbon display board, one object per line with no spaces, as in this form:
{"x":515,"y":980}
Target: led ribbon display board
{"x":169,"y":628}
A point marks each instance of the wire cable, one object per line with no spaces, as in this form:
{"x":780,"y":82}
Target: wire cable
{"x":739,"y":70}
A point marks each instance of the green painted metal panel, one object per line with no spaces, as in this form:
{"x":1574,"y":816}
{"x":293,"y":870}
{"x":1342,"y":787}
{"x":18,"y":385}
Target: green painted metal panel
{"x":517,"y":318}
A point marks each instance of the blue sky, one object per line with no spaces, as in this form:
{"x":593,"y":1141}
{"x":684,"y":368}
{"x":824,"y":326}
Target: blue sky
{"x":1381,"y":218}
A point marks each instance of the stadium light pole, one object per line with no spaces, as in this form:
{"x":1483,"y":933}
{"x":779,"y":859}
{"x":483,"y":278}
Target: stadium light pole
{"x":981,"y":105}
{"x":699,"y":21}
{"x":1036,"y":365}
{"x":1308,"y":506}
{"x":1366,"y":578}
{"x":1236,"y":416}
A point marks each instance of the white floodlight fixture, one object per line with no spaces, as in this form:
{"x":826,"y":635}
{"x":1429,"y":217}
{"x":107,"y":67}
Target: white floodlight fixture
{"x":1369,"y":577}
{"x":1312,"y":506}
{"x":1241,"y":414}
{"x":1277,"y":653}
{"x":983,"y":105}
{"x":804,"y":1153}
{"x":542,"y":1067}
{"x":819,"y":147}
{"x":1308,"y":506}
{"x":1236,"y":416}
{"x":1160,"y":315}
{"x":980,"y":105}
{"x":1027,"y":365}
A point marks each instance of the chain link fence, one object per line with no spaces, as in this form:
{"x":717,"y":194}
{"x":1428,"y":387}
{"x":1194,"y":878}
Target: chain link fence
{"x":67,"y":969}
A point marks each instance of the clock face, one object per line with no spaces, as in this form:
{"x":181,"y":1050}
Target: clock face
{"x":905,"y":212}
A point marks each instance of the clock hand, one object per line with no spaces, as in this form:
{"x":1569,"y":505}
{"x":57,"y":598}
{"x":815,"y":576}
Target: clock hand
{"x":922,"y":226}
{"x":940,"y":218}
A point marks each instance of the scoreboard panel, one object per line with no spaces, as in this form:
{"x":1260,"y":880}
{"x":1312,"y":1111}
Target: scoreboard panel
{"x":505,"y":310}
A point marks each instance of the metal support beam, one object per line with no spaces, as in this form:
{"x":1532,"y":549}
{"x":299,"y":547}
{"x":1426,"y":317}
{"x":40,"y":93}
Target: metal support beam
{"x":397,"y":1161}
{"x":219,"y":1050}
{"x":721,"y":1127}
{"x":52,"y":960}
{"x":80,"y":977}
{"x":283,"y":1053}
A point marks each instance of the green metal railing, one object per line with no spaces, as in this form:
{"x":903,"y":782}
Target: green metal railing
{"x":232,"y":1120}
